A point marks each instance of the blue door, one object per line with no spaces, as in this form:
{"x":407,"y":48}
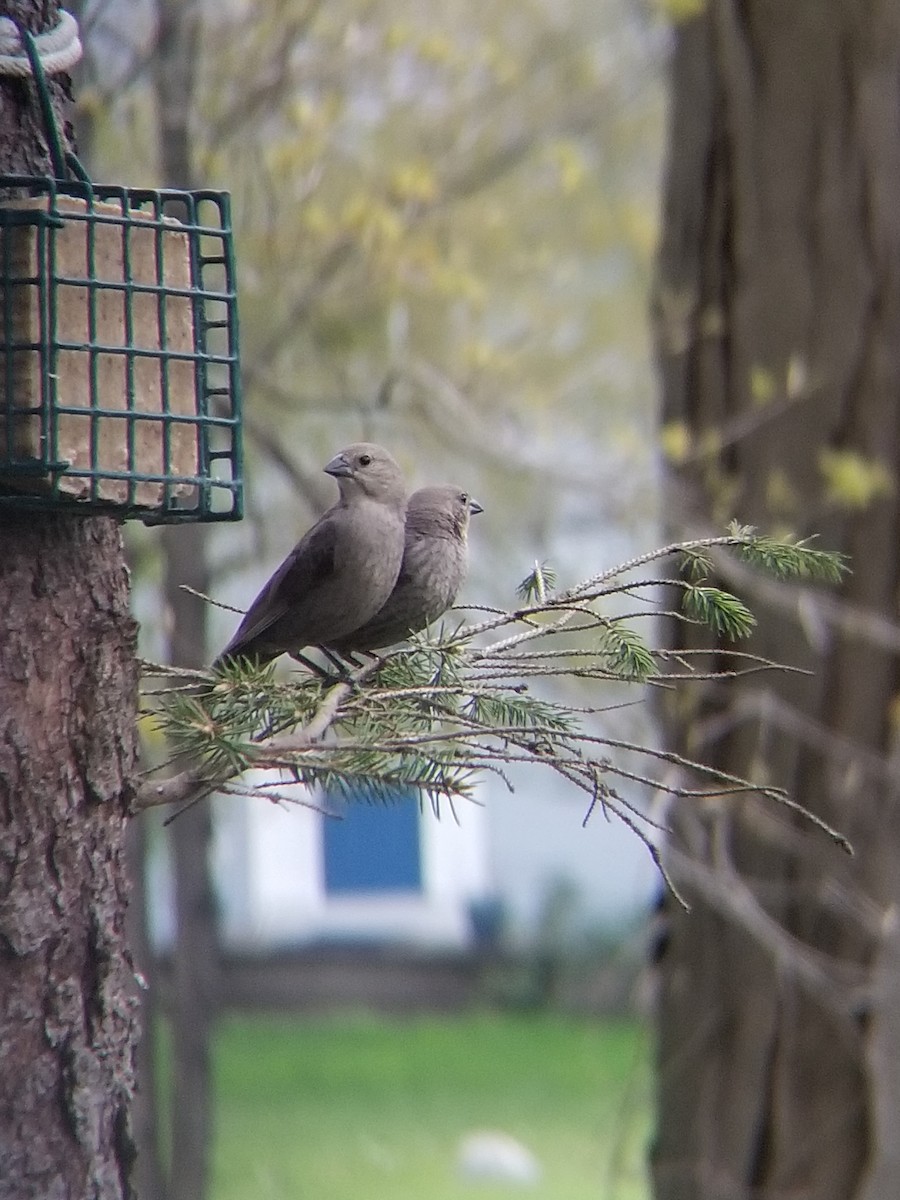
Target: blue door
{"x":372,"y":847}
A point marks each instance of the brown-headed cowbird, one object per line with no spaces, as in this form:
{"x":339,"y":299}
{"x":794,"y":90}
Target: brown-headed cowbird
{"x":435,"y":561}
{"x":341,"y":571}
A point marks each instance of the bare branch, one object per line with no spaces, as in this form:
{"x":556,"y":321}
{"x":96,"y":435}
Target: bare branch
{"x":836,"y":984}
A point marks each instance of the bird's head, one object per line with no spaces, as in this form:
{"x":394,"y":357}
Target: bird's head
{"x":367,"y":468}
{"x":444,"y":507}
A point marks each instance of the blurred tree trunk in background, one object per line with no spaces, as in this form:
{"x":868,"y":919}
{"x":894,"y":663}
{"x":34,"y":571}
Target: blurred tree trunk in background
{"x":778,"y":326}
{"x":68,"y":682}
{"x":195,"y":951}
{"x":149,"y":1178}
{"x":149,"y":1171}
{"x":186,"y":562}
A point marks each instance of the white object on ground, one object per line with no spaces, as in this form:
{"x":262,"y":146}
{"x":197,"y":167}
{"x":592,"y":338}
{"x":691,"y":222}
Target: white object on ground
{"x":488,"y":1155}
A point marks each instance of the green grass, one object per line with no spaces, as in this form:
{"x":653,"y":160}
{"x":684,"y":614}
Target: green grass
{"x":366,"y":1108}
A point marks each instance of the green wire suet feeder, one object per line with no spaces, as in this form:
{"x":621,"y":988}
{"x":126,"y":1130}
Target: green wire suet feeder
{"x":119,"y":372}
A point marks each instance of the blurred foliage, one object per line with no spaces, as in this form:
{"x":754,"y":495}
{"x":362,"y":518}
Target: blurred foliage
{"x":445,"y":219}
{"x":853,"y":481}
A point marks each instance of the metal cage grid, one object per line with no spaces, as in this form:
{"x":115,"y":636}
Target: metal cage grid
{"x":119,"y":371}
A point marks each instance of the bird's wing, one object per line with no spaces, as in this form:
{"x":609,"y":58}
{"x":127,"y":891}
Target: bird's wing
{"x":310,"y":564}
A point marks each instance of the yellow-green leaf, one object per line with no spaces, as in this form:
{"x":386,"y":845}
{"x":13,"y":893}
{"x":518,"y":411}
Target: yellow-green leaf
{"x":852,"y":480}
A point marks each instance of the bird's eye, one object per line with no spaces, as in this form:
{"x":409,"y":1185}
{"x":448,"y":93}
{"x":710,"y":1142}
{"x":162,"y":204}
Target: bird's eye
{"x":464,"y":497}
{"x":365,"y":459}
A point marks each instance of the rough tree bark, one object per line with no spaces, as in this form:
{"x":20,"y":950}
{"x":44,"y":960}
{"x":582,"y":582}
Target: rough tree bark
{"x":778,"y":311}
{"x":68,"y":682}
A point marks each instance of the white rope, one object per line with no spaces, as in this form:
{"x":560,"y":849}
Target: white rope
{"x":59,"y":48}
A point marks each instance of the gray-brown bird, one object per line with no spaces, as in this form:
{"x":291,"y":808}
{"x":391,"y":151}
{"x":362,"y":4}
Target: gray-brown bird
{"x":341,"y":571}
{"x":435,"y":562}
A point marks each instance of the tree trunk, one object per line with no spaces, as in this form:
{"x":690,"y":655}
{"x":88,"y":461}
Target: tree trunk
{"x":149,"y":1173}
{"x":186,"y":562}
{"x":196,"y":948}
{"x":69,"y":685}
{"x":778,"y":309}
{"x":68,"y":679}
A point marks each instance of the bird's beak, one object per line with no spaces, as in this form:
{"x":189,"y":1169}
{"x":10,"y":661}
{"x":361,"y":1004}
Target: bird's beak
{"x":338,"y":467}
{"x":474,"y":506}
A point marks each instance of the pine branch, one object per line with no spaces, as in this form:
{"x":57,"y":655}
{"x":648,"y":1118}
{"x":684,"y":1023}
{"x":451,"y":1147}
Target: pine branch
{"x":787,"y":559}
{"x":434,"y":716}
{"x":721,"y":611}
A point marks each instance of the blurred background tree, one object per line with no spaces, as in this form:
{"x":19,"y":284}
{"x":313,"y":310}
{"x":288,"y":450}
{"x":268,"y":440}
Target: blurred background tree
{"x":777,"y":309}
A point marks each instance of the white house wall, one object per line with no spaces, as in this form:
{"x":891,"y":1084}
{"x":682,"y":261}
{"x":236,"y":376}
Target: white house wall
{"x":270,"y":878}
